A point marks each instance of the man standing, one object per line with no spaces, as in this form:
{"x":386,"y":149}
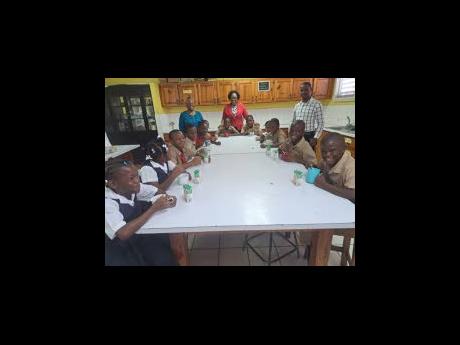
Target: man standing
{"x":310,"y":111}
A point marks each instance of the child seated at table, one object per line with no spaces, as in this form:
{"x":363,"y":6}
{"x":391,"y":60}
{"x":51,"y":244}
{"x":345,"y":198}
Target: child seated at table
{"x":274,"y":135}
{"x":128,"y":206}
{"x":156,"y":170}
{"x":296,"y":148}
{"x":204,"y":135}
{"x":227,"y":129}
{"x":176,"y":150}
{"x":212,"y":137}
{"x":251,"y":126}
{"x":337,"y":167}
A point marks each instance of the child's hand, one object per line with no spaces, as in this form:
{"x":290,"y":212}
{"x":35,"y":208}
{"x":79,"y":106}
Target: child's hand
{"x":286,"y":157}
{"x":196,"y":161}
{"x":172,"y":200}
{"x":320,"y":181}
{"x":179,"y":169}
{"x":161,"y":203}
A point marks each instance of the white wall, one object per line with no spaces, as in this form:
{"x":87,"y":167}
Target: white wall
{"x":334,"y":115}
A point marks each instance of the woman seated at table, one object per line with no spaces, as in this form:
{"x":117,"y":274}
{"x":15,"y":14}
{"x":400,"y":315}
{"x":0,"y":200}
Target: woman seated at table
{"x":227,"y":129}
{"x":176,"y":152}
{"x":156,"y":170}
{"x":251,"y":126}
{"x":190,"y":116}
{"x":275,"y":135}
{"x":128,"y":206}
{"x":236,"y":111}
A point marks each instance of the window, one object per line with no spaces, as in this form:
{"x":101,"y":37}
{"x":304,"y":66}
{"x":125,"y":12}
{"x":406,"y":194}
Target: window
{"x":129,"y":114}
{"x":345,"y":88}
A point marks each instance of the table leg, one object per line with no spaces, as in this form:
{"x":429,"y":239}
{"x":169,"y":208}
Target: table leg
{"x":179,"y":246}
{"x":320,"y":248}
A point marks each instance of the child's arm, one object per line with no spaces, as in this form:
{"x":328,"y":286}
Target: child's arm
{"x":347,"y":193}
{"x":234,"y":131}
{"x":171,"y":177}
{"x":127,"y":230}
{"x":195,"y":161}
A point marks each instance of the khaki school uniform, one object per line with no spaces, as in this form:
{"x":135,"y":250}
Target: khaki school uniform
{"x":277,"y":138}
{"x":343,"y":172}
{"x":175,"y":155}
{"x":255,"y":128}
{"x":189,"y":148}
{"x":303,"y":153}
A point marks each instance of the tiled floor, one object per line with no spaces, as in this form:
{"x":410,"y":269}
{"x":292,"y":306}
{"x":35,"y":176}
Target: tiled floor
{"x":225,"y":249}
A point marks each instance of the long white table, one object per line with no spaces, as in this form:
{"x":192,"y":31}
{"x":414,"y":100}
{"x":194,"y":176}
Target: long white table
{"x":249,"y":191}
{"x":236,"y":144}
{"x":120,"y":150}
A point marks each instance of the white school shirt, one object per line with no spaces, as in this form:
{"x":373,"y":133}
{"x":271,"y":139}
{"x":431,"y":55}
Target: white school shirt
{"x":148,"y":174}
{"x":113,"y":217}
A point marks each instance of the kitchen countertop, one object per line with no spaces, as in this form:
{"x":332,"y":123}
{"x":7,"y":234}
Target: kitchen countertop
{"x":119,"y":150}
{"x":347,"y":134}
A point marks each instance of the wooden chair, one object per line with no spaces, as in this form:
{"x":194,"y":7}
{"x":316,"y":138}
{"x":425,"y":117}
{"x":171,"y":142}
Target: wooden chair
{"x":344,"y":249}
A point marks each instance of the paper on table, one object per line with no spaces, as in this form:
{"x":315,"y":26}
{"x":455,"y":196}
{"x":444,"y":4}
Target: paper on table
{"x":107,"y":141}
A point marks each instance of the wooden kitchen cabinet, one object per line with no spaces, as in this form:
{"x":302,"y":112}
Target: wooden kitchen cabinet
{"x":169,"y":94}
{"x":247,"y":91}
{"x":322,"y":88}
{"x":207,"y":93}
{"x":187,"y":90}
{"x":223,"y":88}
{"x":296,"y":87}
{"x":282,"y":90}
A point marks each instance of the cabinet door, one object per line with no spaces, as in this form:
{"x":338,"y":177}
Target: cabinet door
{"x":322,"y":88}
{"x":169,"y":95}
{"x":207,"y":93}
{"x":282,"y":90}
{"x":263,"y":96}
{"x":296,"y":87}
{"x":223,"y":88}
{"x":187,"y":90}
{"x":246,"y":89}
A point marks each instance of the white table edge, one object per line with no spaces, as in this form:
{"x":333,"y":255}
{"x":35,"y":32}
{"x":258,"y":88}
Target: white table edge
{"x":271,"y":227}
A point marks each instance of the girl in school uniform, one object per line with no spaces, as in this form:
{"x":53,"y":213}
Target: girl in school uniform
{"x":128,"y":206}
{"x":157,"y":170}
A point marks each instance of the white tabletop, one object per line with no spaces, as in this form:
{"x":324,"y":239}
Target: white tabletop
{"x":119,"y":150}
{"x":241,"y":192}
{"x":237,"y":144}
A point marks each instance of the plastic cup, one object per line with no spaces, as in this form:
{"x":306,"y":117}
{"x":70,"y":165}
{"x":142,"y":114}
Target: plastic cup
{"x":312,"y":174}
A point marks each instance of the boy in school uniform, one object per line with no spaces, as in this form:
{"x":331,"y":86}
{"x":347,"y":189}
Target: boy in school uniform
{"x":190,"y":141}
{"x":128,"y":206}
{"x":337,"y":167}
{"x":203,"y":135}
{"x":156,"y":170}
{"x":251,"y":126}
{"x":227,"y":129}
{"x":274,"y":134}
{"x":176,"y":152}
{"x":296,"y":148}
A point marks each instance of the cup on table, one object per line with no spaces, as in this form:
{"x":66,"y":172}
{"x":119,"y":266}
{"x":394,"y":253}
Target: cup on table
{"x":312,"y":174}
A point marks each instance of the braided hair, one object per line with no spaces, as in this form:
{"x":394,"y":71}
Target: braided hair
{"x":155,"y":148}
{"x":113,"y":165}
